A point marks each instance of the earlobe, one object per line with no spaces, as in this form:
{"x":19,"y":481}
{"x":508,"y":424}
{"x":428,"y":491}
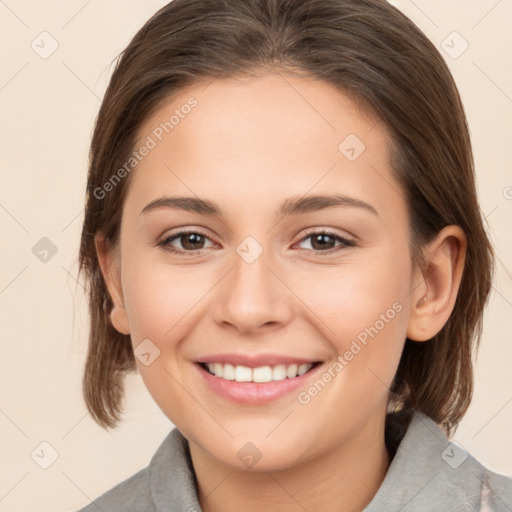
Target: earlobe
{"x":420,"y":325}
{"x":433,"y":301}
{"x":119,"y":319}
{"x":108,"y":259}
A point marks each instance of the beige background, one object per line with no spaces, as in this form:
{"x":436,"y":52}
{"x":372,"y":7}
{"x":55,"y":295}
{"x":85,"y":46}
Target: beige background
{"x":48,"y":106}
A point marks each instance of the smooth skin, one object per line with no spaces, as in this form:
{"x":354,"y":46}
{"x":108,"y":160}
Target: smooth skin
{"x":250,"y":144}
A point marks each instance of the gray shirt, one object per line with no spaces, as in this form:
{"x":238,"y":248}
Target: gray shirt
{"x":428,"y":473}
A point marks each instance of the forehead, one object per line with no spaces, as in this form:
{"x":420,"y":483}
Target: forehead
{"x":250,"y":140}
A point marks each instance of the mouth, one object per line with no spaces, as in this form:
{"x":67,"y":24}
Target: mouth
{"x":257,"y":385}
{"x":259,"y":374}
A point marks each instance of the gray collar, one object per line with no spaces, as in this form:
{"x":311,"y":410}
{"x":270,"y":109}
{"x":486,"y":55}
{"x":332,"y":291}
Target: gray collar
{"x":427,"y":473}
{"x":431,"y":473}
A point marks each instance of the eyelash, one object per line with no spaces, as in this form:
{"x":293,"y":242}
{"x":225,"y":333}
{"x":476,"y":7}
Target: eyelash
{"x":165,"y":243}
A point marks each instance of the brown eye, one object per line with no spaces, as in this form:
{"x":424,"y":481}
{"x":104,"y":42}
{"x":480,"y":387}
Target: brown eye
{"x":192,"y":241}
{"x":325,"y":242}
{"x":321,"y":241}
{"x":189,"y":241}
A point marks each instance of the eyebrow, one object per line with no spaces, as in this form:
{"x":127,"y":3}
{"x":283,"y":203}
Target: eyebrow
{"x":291,"y":206}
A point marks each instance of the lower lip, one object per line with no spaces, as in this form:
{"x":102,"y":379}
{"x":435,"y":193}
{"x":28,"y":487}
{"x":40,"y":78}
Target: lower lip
{"x":255,"y":393}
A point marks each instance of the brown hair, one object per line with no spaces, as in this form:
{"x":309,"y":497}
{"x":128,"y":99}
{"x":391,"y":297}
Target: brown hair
{"x":373,"y":53}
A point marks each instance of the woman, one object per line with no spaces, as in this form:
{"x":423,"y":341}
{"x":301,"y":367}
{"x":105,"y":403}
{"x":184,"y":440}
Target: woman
{"x":282,"y":235}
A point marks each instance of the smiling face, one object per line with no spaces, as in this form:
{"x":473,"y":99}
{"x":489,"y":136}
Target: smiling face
{"x":256,"y":284}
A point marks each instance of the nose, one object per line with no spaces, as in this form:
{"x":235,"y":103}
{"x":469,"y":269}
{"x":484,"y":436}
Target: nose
{"x":253,"y":297}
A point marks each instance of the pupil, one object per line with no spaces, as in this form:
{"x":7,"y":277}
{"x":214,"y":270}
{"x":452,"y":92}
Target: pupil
{"x":321,"y":240}
{"x":196,"y":239}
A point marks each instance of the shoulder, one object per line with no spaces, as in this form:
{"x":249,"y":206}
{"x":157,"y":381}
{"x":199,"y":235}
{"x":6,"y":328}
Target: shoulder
{"x":132,"y":494}
{"x":431,"y":473}
{"x":167,"y":483}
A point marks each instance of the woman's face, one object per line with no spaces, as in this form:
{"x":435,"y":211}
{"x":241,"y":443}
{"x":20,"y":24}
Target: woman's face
{"x":266,"y":165}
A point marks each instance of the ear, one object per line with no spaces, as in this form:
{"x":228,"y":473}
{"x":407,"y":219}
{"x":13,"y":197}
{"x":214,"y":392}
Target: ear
{"x":433,"y":300}
{"x":110,"y":265}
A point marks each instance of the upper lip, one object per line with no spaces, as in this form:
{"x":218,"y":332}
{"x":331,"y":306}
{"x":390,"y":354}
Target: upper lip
{"x":254,"y":361}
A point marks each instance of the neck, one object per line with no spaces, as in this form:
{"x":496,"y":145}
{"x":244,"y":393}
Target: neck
{"x":347,"y":476}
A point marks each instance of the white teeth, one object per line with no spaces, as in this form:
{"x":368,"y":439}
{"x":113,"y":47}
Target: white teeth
{"x":262,"y":374}
{"x":291,"y":371}
{"x":242,"y":374}
{"x":228,"y":372}
{"x":279,"y":372}
{"x":217,"y":369}
{"x":259,"y":374}
{"x":303,"y":368}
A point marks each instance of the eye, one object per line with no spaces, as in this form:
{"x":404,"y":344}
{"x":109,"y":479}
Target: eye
{"x":191,"y":241}
{"x":324,"y":241}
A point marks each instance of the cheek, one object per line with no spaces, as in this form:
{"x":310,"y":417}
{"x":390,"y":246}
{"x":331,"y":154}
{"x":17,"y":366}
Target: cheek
{"x":361,"y":309}
{"x":356,"y":295}
{"x":163,"y":300}
{"x":160,"y":297}
{"x":164,"y":305}
{"x":362,"y":315}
